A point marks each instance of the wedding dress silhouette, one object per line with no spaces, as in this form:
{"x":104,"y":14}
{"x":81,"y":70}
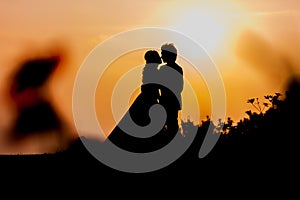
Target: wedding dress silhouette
{"x":139,"y":111}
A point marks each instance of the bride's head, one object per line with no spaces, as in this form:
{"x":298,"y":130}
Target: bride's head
{"x":152,"y":56}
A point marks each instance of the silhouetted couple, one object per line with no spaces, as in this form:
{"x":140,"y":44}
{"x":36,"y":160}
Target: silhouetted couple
{"x":161,"y":84}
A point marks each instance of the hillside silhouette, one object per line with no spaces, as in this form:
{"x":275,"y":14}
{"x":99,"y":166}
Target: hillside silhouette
{"x":266,"y":139}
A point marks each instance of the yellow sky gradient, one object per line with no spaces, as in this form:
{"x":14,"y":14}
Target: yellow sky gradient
{"x":254,"y":44}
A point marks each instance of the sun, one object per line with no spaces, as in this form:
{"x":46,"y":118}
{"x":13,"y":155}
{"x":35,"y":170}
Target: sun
{"x":205,"y":27}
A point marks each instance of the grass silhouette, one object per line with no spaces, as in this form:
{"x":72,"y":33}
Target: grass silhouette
{"x":264,"y":138}
{"x":267,"y":138}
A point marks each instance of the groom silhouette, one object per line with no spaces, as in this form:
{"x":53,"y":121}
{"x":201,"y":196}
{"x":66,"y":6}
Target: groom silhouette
{"x":171,"y":75}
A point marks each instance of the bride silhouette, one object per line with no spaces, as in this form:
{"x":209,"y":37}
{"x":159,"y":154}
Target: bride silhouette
{"x":139,"y":110}
{"x":149,"y":91}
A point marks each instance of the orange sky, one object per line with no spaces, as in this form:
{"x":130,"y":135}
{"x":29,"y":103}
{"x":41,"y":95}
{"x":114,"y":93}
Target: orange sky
{"x":250,"y":42}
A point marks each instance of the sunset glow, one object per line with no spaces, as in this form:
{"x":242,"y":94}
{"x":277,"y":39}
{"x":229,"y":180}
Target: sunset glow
{"x":253,"y":44}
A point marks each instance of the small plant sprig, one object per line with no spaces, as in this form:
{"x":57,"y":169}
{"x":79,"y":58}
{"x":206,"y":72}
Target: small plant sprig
{"x":257,"y":104}
{"x":273,"y":101}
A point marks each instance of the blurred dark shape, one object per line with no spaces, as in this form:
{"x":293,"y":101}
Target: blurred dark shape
{"x":34,"y":112}
{"x":262,"y":56}
{"x":290,"y":118}
{"x":34,"y":73}
{"x":256,"y":50}
{"x":293,"y":94}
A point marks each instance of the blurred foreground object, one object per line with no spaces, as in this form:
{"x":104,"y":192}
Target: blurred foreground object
{"x":34,"y":112}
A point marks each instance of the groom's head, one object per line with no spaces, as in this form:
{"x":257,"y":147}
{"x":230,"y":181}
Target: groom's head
{"x":168,"y":52}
